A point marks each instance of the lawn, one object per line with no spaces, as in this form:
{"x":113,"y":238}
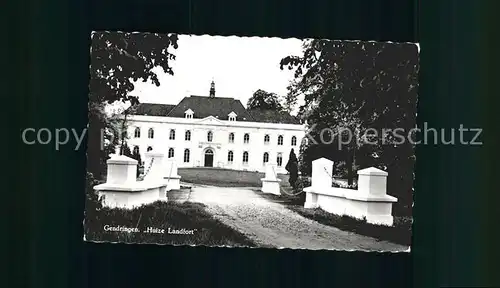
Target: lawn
{"x":206,"y":229}
{"x":224,"y":177}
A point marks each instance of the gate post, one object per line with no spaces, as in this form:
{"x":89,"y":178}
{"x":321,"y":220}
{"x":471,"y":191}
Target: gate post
{"x":271,"y":183}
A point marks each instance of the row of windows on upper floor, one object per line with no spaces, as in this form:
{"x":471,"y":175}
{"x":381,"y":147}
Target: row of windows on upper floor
{"x":230,"y":156}
{"x":210,"y":136}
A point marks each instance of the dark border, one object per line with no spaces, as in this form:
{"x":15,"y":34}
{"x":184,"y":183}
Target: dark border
{"x":50,"y":83}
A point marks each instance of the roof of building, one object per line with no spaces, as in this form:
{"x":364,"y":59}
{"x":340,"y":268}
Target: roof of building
{"x":218,"y":107}
{"x":150,"y":109}
{"x":273,"y":116}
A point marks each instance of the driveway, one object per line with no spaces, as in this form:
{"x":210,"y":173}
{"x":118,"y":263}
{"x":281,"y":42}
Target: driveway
{"x":272,"y":225}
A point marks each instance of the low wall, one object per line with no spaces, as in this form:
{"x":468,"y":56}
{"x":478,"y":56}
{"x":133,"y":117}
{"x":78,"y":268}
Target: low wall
{"x":131,"y":196}
{"x":349,"y":202}
{"x":122,"y":190}
{"x":369,"y":201}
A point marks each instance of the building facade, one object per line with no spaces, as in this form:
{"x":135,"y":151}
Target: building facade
{"x":209,"y":131}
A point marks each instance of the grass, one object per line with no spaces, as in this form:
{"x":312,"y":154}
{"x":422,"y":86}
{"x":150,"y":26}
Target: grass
{"x":224,"y":177}
{"x":399,"y":233}
{"x":286,"y":200}
{"x":208,"y":231}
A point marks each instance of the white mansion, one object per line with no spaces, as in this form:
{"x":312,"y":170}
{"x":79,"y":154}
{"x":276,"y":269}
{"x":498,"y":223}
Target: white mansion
{"x":209,"y":131}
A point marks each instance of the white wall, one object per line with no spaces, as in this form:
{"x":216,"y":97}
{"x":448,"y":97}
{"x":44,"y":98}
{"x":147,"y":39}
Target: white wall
{"x":369,"y":201}
{"x":220,"y":143}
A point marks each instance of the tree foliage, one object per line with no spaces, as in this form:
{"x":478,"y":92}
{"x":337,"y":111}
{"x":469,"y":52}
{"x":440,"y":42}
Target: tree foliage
{"x":119,"y":59}
{"x":304,"y":161}
{"x":292,"y":168}
{"x":359,"y":86}
{"x":126,"y":151}
{"x":137,"y":156}
{"x":265,"y":101}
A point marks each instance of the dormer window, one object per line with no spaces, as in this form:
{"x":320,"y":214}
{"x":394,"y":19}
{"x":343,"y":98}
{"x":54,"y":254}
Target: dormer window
{"x":188,"y":114}
{"x":232,"y":116}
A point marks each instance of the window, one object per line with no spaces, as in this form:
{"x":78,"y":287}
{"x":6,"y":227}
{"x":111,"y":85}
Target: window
{"x":186,"y":155}
{"x":266,"y":157}
{"x":171,"y":153}
{"x":137,"y":132}
{"x":136,"y":150}
{"x":232,"y":118}
{"x":280,"y":140}
{"x":230,"y":156}
{"x":245,"y":157}
{"x":266,"y":139}
{"x":187,"y":135}
{"x":231,"y":137}
{"x":246,"y":138}
{"x":151,"y":133}
{"x":294,"y":141}
{"x":149,"y":148}
{"x":279,"y":159}
{"x":172,"y":134}
{"x":189,"y":116}
{"x":210,"y":136}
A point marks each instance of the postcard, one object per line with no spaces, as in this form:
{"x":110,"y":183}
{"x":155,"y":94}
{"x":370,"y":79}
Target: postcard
{"x":251,"y":142}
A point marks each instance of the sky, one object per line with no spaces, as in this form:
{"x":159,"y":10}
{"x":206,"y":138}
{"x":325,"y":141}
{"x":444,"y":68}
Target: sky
{"x":239,"y":66}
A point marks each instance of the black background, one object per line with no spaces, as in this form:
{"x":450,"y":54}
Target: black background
{"x":453,"y":242}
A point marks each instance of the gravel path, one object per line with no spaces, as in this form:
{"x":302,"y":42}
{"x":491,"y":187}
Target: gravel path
{"x":270,"y":224}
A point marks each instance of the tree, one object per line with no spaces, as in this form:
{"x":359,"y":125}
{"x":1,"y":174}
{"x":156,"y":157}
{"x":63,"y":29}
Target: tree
{"x":118,"y":60}
{"x":265,"y":101}
{"x":292,"y":168}
{"x":137,"y":156}
{"x":123,"y":125}
{"x":289,"y":101}
{"x":356,"y":86}
{"x":303,"y":160}
{"x":126,"y":151}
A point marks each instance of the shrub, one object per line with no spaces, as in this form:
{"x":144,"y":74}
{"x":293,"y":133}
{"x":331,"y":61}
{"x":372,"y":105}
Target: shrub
{"x":92,"y":201}
{"x":292,"y":168}
{"x":340,"y":185}
{"x":300,"y":184}
{"x":292,"y":180}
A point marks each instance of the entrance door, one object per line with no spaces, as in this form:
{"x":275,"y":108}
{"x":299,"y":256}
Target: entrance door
{"x":209,"y":158}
